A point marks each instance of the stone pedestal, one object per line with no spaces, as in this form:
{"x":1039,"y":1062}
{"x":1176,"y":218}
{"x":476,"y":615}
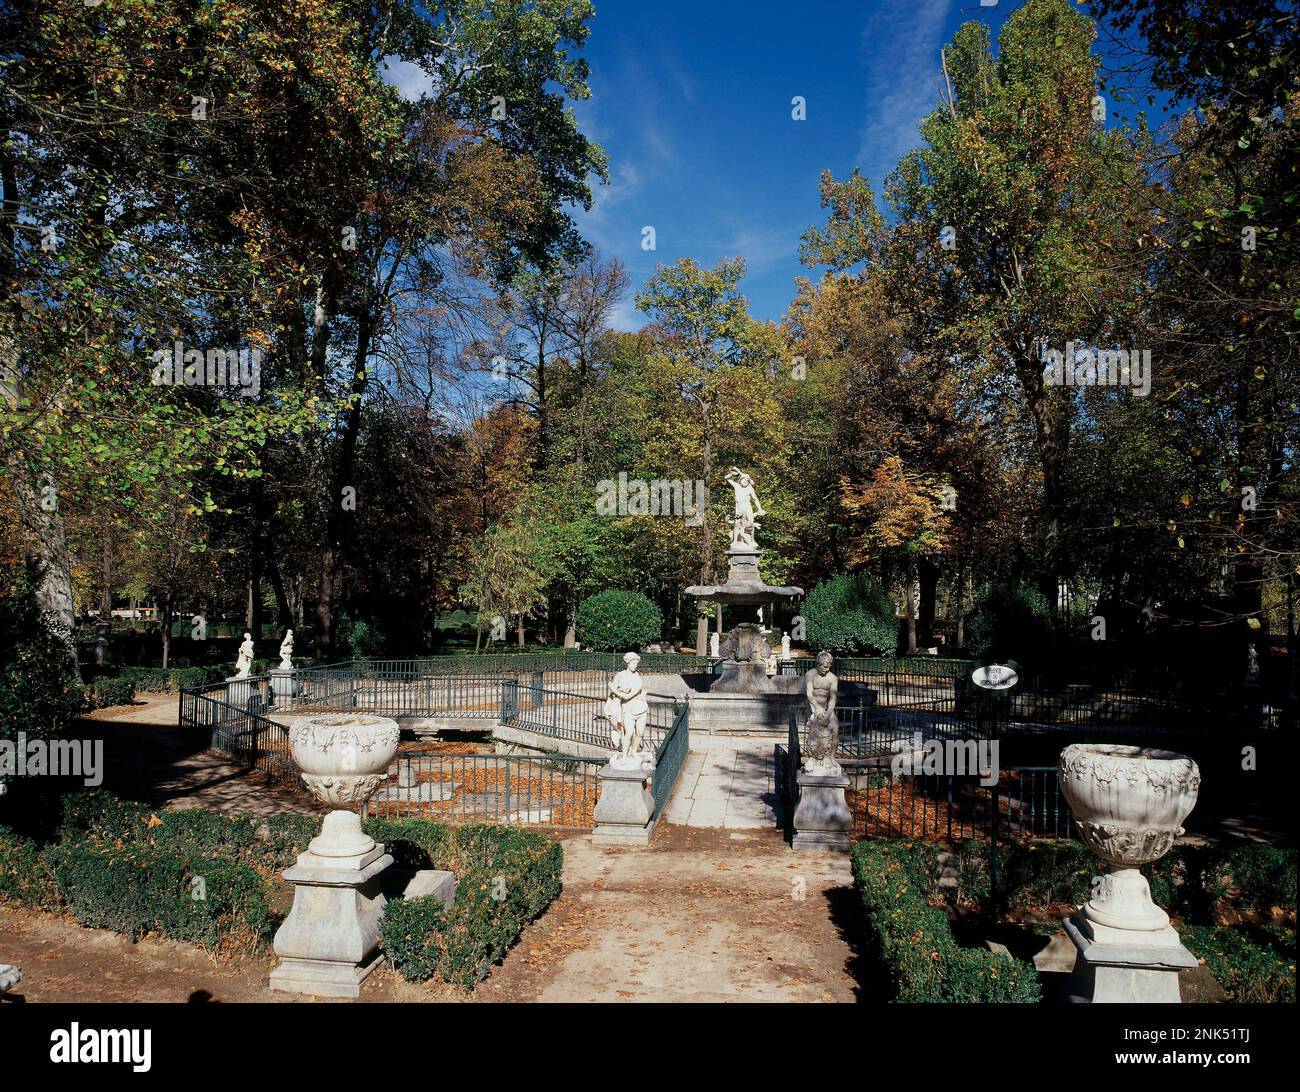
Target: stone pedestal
{"x":624,"y":809}
{"x":1126,"y":966}
{"x":239,"y":691}
{"x":285,"y":686}
{"x":822,"y":820}
{"x":329,"y":942}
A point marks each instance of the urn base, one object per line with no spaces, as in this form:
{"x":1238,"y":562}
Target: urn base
{"x":1126,"y":966}
{"x":329,"y":943}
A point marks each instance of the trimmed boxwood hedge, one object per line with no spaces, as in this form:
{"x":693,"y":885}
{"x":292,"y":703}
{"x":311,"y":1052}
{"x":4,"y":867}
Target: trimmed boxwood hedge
{"x":913,"y":940}
{"x":504,"y":879}
{"x":109,"y":692}
{"x":1251,"y":966}
{"x":1190,"y":880}
{"x":160,"y":680}
{"x":117,"y":864}
{"x":186,"y":896}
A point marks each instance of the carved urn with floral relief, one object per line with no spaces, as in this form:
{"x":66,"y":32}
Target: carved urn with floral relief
{"x":1129,"y":804}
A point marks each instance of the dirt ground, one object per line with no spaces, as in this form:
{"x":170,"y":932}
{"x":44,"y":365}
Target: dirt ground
{"x":705,"y":915}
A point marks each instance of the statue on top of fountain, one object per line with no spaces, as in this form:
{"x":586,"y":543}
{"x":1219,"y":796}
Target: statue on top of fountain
{"x":744,"y":526}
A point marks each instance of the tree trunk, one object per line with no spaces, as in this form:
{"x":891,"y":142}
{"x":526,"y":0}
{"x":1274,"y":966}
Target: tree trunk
{"x":47,"y":547}
{"x":571,"y":623}
{"x":929,"y":577}
{"x":106,"y":575}
{"x":519,"y":630}
{"x":909,"y":605}
{"x":283,"y":611}
{"x":958,"y":624}
{"x":339,"y":519}
{"x":167,"y":628}
{"x":1052,"y":433}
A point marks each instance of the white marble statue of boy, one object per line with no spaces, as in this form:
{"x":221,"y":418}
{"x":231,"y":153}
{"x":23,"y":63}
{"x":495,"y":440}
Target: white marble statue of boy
{"x":626,"y":710}
{"x":286,"y":651}
{"x":244,"y":662}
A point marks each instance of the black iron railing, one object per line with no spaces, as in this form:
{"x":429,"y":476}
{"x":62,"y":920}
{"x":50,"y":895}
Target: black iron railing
{"x":529,"y":790}
{"x":1023,"y":802}
{"x":670,"y":757}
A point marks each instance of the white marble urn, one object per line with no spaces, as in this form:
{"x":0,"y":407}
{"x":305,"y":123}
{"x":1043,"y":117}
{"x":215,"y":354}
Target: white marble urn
{"x":343,"y":758}
{"x":1129,"y":804}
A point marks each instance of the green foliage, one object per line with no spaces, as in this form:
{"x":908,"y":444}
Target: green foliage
{"x":181,"y":894}
{"x":25,"y":877}
{"x":851,"y":614}
{"x":1250,"y":965}
{"x":210,"y":878}
{"x":110,"y":691}
{"x":618,"y":621}
{"x":1257,"y":877}
{"x":913,"y":940}
{"x":360,"y":638}
{"x":504,"y":879}
{"x":1010,"y":623}
{"x":1189,"y":881}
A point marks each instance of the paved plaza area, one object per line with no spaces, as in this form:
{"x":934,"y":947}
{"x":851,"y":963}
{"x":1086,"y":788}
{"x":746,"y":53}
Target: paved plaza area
{"x":726,"y":782}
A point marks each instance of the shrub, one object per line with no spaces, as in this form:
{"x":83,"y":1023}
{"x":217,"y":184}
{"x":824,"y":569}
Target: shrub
{"x":138,"y":889}
{"x":1189,"y":881}
{"x":116,"y":864}
{"x":147,"y":680}
{"x":851,"y":614}
{"x":913,"y":939}
{"x":25,"y":877}
{"x":98,"y":815}
{"x":110,"y":692}
{"x":180,"y":678}
{"x":1254,"y":877}
{"x":504,"y":879}
{"x":618,"y":621}
{"x":361,"y":639}
{"x":1248,"y":969}
{"x":1010,"y":623}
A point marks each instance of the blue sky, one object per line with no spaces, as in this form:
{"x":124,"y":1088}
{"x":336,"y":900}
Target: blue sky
{"x":692,"y":101}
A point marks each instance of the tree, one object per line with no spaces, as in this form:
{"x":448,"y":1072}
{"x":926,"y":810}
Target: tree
{"x":1012,"y":228}
{"x":705,"y":338}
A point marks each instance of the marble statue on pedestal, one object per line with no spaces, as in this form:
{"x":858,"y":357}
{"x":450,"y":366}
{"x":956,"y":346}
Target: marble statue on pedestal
{"x":627,"y":711}
{"x":748,"y":508}
{"x":785,"y":646}
{"x":286,"y":651}
{"x":822,"y":820}
{"x":714,"y":642}
{"x":823,"y":737}
{"x":244,"y":662}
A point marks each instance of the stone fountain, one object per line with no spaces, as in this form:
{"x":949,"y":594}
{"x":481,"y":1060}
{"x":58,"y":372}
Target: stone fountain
{"x":743,"y":697}
{"x":329,"y":942}
{"x":1129,"y":804}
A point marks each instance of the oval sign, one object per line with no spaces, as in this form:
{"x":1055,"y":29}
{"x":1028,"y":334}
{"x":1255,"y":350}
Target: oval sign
{"x":995,"y":677}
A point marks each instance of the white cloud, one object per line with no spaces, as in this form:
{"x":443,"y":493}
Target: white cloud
{"x":409,"y":78}
{"x":902,"y":40}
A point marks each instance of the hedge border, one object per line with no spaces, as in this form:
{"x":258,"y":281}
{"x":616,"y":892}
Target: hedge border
{"x":913,"y":939}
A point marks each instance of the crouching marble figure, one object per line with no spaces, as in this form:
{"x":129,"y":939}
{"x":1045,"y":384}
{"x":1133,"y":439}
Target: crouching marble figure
{"x":822,"y":820}
{"x":823,"y":736}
